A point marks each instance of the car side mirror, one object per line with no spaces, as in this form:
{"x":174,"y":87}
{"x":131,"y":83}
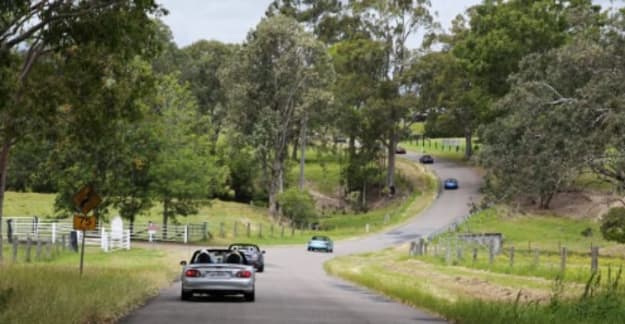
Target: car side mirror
{"x":264,"y":251}
{"x":183,"y":263}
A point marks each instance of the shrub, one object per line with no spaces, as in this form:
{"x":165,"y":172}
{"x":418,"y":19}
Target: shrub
{"x":297,"y":205}
{"x":613,"y":225}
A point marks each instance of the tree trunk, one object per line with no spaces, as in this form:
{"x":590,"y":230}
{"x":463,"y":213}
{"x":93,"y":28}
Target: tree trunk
{"x":4,"y":165}
{"x":545,"y":200}
{"x":363,"y":201}
{"x":275,"y":188}
{"x":165,"y":216}
{"x":295,"y":149}
{"x":132,"y":225}
{"x":352,"y":146}
{"x":390,"y":176}
{"x":302,"y":162}
{"x":468,"y":145}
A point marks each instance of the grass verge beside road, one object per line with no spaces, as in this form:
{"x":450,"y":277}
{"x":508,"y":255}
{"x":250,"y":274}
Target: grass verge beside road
{"x":464,"y":295}
{"x":464,"y":291}
{"x":111,"y":286}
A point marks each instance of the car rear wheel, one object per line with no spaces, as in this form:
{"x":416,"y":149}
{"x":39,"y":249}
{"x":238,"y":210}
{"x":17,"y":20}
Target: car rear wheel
{"x":261,"y":268}
{"x":250,"y":297}
{"x":185,"y":295}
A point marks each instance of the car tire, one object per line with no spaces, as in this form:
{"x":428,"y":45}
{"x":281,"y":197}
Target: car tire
{"x":185,"y":295}
{"x":250,"y":297}
{"x":330,"y":250}
{"x":261,"y":268}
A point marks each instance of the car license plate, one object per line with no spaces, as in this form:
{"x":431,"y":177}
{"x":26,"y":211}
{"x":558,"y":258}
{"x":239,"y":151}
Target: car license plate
{"x":218,"y":274}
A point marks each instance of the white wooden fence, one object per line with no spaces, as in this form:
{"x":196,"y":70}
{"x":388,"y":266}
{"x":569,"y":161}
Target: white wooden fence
{"x":60,"y":231}
{"x":108,"y":238}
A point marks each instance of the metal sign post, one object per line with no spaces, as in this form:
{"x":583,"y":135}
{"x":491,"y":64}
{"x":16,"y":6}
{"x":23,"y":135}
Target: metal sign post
{"x":82,"y":252}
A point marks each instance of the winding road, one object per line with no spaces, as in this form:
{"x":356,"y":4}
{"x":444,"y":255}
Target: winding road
{"x":295,"y":289}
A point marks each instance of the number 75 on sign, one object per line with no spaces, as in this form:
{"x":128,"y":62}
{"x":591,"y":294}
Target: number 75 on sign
{"x":83,"y":223}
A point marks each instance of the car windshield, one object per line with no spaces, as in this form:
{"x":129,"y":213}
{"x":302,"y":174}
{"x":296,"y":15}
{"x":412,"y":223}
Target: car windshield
{"x":319,"y":238}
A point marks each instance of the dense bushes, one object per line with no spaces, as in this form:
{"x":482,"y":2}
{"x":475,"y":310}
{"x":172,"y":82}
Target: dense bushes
{"x":297,"y":205}
{"x":613,"y":225}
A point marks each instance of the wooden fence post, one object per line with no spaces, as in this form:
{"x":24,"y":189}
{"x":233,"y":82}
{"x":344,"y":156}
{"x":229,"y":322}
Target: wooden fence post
{"x":413,"y":249}
{"x":28,"y":246}
{"x":292,"y":230}
{"x":222,"y":231}
{"x":249,"y":229}
{"x":512,"y":257}
{"x":260,"y":230}
{"x":474,"y":255}
{"x":49,"y":249}
{"x":536,"y":257}
{"x":491,"y":254}
{"x":271,"y":231}
{"x":38,"y":253}
{"x":15,"y":242}
{"x":563,"y":254}
{"x":64,"y":241}
{"x":594,"y":262}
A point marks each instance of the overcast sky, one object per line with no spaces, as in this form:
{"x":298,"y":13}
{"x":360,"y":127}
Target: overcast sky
{"x":230,"y":20}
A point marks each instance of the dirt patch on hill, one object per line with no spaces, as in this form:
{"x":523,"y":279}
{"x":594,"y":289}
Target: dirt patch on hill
{"x":579,"y":204}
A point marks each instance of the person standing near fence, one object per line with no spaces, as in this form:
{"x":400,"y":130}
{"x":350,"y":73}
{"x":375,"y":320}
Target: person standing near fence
{"x":152,"y":228}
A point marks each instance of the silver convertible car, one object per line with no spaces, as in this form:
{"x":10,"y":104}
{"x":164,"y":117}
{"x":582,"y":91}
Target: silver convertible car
{"x":217,"y":272}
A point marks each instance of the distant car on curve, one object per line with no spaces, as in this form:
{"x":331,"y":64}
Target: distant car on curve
{"x":253,"y":254}
{"x":426,"y":159}
{"x":321,"y":243}
{"x":450,"y":183}
{"x":217,"y":272}
{"x":400,"y":150}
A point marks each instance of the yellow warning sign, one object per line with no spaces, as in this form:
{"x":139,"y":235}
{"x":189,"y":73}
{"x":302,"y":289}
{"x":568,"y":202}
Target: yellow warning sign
{"x":83,"y":223}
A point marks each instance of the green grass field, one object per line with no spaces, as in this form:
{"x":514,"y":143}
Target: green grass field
{"x":112,"y":284}
{"x":465,"y":291}
{"x":437,"y":148}
{"x":463,"y":295}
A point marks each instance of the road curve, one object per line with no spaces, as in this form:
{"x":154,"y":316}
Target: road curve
{"x":294,"y":288}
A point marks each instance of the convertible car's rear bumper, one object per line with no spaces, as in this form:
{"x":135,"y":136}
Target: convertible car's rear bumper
{"x":218,"y":285}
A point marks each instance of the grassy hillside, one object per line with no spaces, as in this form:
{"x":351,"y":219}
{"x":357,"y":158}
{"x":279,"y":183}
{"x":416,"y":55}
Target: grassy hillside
{"x":322,"y":174}
{"x":531,"y":290}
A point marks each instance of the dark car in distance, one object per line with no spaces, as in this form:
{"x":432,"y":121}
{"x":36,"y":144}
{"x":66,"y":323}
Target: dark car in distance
{"x":254,"y":256}
{"x":426,"y":159}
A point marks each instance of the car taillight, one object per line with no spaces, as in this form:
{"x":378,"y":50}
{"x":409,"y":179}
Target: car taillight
{"x":192,"y":273}
{"x":244,"y":274}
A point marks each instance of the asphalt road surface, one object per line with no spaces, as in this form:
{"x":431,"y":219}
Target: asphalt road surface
{"x":295,"y":289}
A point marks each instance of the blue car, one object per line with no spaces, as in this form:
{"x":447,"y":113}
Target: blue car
{"x":320,"y":243}
{"x":450,"y":183}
